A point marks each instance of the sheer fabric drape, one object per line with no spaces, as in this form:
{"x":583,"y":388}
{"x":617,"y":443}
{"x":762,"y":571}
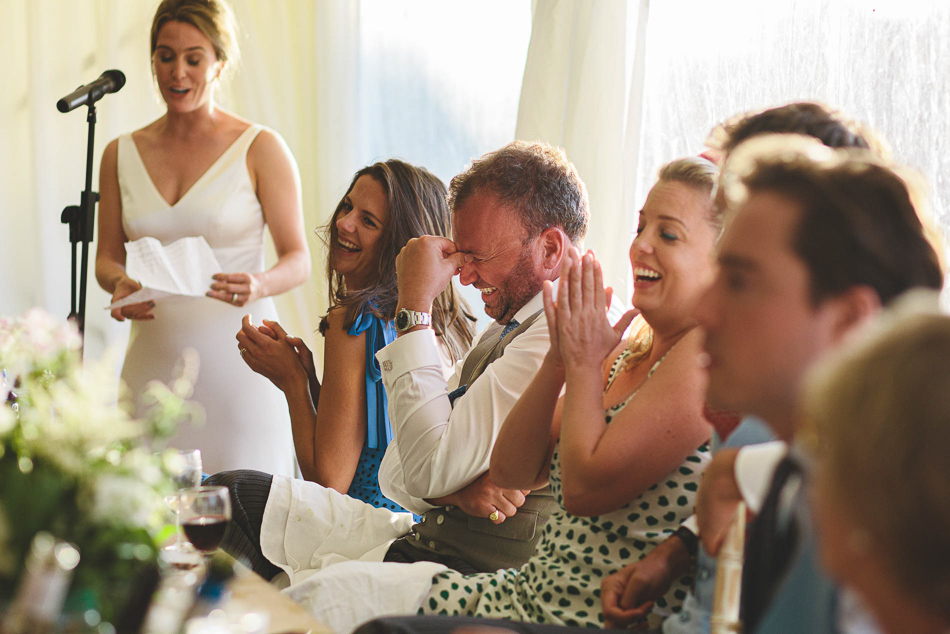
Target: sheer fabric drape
{"x":886,"y":63}
{"x":582,"y":91}
{"x":627,"y":85}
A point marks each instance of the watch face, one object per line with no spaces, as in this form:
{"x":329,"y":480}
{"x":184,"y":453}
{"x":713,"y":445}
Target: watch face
{"x":406,"y":319}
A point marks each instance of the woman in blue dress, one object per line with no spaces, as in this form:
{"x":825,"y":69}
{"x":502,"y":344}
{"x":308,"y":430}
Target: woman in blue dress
{"x":340,"y":425}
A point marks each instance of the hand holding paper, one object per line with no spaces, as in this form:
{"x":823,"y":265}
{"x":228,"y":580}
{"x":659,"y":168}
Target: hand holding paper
{"x":180,"y":268}
{"x":141,"y":311}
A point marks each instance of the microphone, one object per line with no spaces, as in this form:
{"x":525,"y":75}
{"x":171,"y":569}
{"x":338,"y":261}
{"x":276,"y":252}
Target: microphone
{"x":109,"y":81}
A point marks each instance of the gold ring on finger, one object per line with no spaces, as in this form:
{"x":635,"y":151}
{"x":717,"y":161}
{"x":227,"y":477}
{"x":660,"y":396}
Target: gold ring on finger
{"x":494,"y":516}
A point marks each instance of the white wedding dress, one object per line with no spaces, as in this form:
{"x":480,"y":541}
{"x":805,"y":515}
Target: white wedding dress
{"x":247,"y":423}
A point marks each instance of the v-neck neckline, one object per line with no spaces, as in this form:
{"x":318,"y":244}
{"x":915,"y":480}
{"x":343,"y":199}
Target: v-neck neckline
{"x":204,"y":174}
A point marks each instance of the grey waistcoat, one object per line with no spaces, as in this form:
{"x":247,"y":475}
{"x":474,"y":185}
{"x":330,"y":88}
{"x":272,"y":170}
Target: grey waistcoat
{"x":477,"y":540}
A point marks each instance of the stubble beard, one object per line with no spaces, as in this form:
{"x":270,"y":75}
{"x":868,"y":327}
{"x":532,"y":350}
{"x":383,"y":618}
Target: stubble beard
{"x":517,"y":289}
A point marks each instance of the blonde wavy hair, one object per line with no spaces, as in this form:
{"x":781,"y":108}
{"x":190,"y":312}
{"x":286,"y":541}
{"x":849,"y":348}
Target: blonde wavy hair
{"x":878,"y":416}
{"x":701,"y":175}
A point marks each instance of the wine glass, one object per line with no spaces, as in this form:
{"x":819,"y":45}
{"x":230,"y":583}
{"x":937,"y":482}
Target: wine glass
{"x":185,"y":467}
{"x":204,"y":513}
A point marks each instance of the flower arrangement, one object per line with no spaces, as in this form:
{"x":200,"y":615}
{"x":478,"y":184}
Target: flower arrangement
{"x":75,"y":464}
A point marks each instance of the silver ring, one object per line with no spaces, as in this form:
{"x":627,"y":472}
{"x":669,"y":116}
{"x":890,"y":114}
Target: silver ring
{"x":234,"y":298}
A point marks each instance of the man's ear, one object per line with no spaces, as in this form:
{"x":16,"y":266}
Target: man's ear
{"x":854,"y":308}
{"x":554,"y":245}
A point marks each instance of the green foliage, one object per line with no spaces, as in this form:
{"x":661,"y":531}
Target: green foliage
{"x":74,"y":464}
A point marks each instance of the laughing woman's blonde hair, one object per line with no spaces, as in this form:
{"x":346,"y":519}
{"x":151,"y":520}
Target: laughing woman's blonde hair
{"x":878,"y":417}
{"x":699,"y":174}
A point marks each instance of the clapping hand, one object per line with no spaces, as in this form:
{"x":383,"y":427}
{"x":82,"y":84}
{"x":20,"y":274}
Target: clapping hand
{"x":584,"y":334}
{"x":550,"y":308}
{"x":269,"y":352}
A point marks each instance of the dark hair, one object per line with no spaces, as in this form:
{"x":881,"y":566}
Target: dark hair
{"x":212,"y":17}
{"x":832,"y":127}
{"x":535,"y":179}
{"x":858,"y":224}
{"x":417,"y":206}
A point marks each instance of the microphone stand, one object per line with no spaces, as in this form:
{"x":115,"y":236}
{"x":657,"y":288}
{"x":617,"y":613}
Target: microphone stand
{"x":81,"y":220}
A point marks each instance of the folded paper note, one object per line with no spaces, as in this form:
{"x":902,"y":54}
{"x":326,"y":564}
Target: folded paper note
{"x":183,"y":267}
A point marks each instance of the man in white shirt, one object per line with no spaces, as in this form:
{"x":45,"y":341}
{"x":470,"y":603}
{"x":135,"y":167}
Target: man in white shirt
{"x":516,"y":213}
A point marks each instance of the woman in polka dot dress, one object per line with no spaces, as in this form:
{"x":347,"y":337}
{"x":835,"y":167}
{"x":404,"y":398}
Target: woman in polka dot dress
{"x":627,"y":443}
{"x":341,"y":428}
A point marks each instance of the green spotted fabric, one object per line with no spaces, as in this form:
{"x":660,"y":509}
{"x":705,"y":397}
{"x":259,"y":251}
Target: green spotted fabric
{"x":560,"y":584}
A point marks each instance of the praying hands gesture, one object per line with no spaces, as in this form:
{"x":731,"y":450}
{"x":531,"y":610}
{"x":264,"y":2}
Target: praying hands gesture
{"x":270,"y":352}
{"x":327,"y":450}
{"x":577,"y":321}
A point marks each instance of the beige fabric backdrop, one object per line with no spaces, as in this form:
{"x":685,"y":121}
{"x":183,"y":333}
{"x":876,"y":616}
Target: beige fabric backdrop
{"x":582,"y":91}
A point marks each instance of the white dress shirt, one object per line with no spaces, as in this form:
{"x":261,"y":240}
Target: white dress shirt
{"x":437,"y":449}
{"x":755,"y":465}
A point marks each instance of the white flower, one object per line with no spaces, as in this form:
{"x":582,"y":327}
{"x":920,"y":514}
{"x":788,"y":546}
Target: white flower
{"x":119,"y":499}
{"x":68,"y":425}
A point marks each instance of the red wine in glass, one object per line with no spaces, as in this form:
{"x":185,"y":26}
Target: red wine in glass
{"x":205,"y":512}
{"x":205,"y":533}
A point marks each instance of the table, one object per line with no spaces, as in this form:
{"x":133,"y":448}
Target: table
{"x":248,"y":593}
{"x":251,"y":590}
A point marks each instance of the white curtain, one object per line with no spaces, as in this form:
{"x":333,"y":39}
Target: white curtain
{"x":582,"y":90}
{"x":886,"y":63}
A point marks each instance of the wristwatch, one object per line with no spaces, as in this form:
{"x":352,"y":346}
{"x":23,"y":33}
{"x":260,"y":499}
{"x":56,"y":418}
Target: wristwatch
{"x":406,"y":319}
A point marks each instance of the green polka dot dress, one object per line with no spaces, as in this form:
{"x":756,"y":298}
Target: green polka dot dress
{"x":560,"y":584}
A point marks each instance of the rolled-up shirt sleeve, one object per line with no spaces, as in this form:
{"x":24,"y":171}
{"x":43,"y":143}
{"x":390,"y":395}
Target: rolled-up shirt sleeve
{"x":438,"y":449}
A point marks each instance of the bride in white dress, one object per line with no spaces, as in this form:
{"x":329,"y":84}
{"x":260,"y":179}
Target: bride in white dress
{"x":201,"y":171}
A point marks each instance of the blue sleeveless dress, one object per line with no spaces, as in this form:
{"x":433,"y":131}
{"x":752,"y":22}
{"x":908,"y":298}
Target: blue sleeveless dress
{"x":379,"y":433}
